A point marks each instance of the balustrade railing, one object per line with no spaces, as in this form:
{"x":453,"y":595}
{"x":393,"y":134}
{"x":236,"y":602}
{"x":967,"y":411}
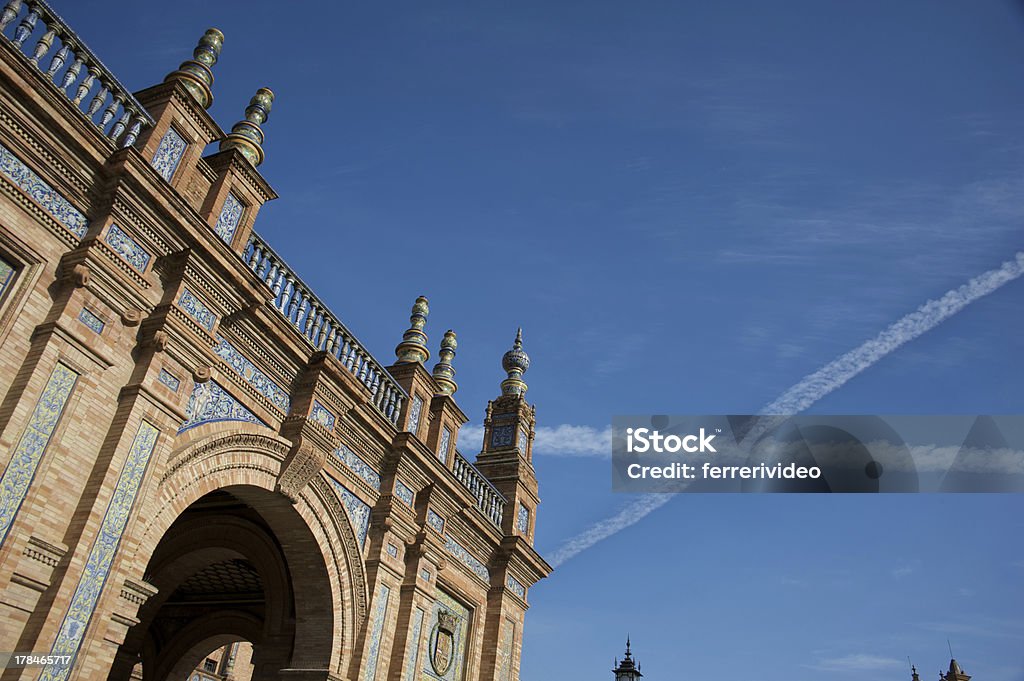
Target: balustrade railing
{"x":488,"y":499}
{"x":303,"y":310}
{"x":74,"y":70}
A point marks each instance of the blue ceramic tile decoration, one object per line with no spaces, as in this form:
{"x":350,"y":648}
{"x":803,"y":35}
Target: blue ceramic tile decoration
{"x":414,"y":414}
{"x":522,"y":442}
{"x":412,"y":656}
{"x":197,"y":310}
{"x":379,"y":615}
{"x":43,"y":194}
{"x":442,"y":449}
{"x":523,"y":519}
{"x":209,"y":402}
{"x":19,"y":473}
{"x":515,"y":586}
{"x":505,"y":651}
{"x":168,"y":154}
{"x":92,"y":321}
{"x":230,"y":216}
{"x":460,"y":552}
{"x":435,"y":521}
{"x":404,"y":492}
{"x":322,"y":415}
{"x":446,"y":662}
{"x":256,"y":378}
{"x":97,"y":565}
{"x":126,"y":247}
{"x":358,"y":466}
{"x":169,"y":380}
{"x":501,"y":436}
{"x":358,"y":511}
{"x":6,"y":275}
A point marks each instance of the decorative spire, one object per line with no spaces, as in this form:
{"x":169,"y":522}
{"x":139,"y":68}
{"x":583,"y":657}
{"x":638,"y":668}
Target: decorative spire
{"x":444,"y":372}
{"x":196,"y":73}
{"x":247,"y":136}
{"x":413,"y":347}
{"x":515,"y":363}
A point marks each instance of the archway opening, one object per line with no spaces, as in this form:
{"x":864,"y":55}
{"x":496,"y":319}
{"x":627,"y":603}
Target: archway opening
{"x":238,"y":566}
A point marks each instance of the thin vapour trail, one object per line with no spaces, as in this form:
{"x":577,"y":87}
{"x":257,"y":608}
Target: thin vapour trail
{"x":817,"y":385}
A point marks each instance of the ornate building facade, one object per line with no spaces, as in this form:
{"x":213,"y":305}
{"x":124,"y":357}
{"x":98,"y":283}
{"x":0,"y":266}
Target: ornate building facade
{"x":196,"y":452}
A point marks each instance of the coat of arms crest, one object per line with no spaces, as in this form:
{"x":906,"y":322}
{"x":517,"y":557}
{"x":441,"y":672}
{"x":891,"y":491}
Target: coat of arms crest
{"x":442,"y":652}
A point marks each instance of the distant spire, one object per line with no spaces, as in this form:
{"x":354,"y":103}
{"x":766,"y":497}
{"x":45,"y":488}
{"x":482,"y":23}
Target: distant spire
{"x":444,"y":372}
{"x":515,"y":362}
{"x":413,"y":347}
{"x":247,"y":135}
{"x":196,"y":74}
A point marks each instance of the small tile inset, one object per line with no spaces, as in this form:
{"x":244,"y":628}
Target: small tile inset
{"x":404,"y":492}
{"x":230,"y":216}
{"x":128,"y":248}
{"x":92,"y":321}
{"x":523,"y":519}
{"x":197,"y":310}
{"x":414,"y":414}
{"x":501,"y":436}
{"x":46,"y":196}
{"x":435,"y":521}
{"x":425,"y":575}
{"x":392,"y":550}
{"x":358,"y":511}
{"x":169,"y":379}
{"x":515,"y":586}
{"x":256,"y":378}
{"x":522,"y":441}
{"x":463,"y":554}
{"x":322,"y":415}
{"x":442,"y":449}
{"x":168,"y":154}
{"x":358,"y":466}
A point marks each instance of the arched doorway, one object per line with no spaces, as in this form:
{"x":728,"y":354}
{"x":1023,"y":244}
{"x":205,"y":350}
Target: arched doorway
{"x":237,"y":564}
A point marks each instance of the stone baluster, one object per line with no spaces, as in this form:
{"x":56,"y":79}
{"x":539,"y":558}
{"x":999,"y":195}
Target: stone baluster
{"x":307,"y":323}
{"x":98,"y":100}
{"x":60,"y":57}
{"x":286,"y":294}
{"x":366,"y":366}
{"x":294,"y":307}
{"x":119,"y":127}
{"x":43,"y":46}
{"x":272,"y":273}
{"x":27,"y":25}
{"x":71,"y":75}
{"x":332,"y":339}
{"x":116,"y":102}
{"x":10,"y":13}
{"x":134,"y":130}
{"x":318,"y":323}
{"x":86,"y":85}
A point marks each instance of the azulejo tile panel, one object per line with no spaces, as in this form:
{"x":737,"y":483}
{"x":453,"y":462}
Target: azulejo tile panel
{"x":414,"y":643}
{"x":425,"y":575}
{"x":230,"y":216}
{"x":442,"y":449}
{"x":92,"y":321}
{"x":523,"y":518}
{"x":197,"y":310}
{"x":435,"y":521}
{"x":522,"y":441}
{"x":392,"y":550}
{"x":209,"y":402}
{"x":46,"y":196}
{"x":128,"y":248}
{"x":169,"y":379}
{"x":22,"y":468}
{"x":459,"y":551}
{"x":97,"y":565}
{"x":414,"y":414}
{"x":358,"y":511}
{"x":505,"y":651}
{"x":256,"y":378}
{"x":322,"y":415}
{"x":515,"y":586}
{"x":6,"y":275}
{"x":458,"y":618}
{"x":404,"y":492}
{"x":380,"y":613}
{"x":501,"y":436}
{"x":358,"y":466}
{"x":168,"y":153}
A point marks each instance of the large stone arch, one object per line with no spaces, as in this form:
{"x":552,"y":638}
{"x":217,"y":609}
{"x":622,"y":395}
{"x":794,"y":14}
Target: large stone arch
{"x":247,"y":460}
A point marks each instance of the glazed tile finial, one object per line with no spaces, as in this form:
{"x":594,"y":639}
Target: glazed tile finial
{"x":247,"y":135}
{"x":444,"y":372}
{"x":413,"y":347}
{"x":197,"y":73}
{"x":515,"y":362}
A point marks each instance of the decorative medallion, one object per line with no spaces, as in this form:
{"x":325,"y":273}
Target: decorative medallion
{"x":442,"y":642}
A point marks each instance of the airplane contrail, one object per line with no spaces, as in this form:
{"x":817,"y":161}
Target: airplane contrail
{"x":817,"y":385}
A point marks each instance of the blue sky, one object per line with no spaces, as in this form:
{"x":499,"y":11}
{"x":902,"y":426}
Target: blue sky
{"x":688,"y":207}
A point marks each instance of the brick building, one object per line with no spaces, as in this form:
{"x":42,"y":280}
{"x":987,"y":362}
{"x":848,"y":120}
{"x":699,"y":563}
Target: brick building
{"x":199,"y":459}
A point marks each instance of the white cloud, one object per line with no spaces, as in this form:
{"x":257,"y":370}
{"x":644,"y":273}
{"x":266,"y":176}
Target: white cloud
{"x":562,"y":440}
{"x":858,"y":662}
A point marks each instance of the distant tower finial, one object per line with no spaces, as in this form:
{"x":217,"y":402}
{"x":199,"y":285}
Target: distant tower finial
{"x":196,"y":73}
{"x":444,"y":372}
{"x":413,"y":347}
{"x":515,"y":363}
{"x":247,"y":135}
